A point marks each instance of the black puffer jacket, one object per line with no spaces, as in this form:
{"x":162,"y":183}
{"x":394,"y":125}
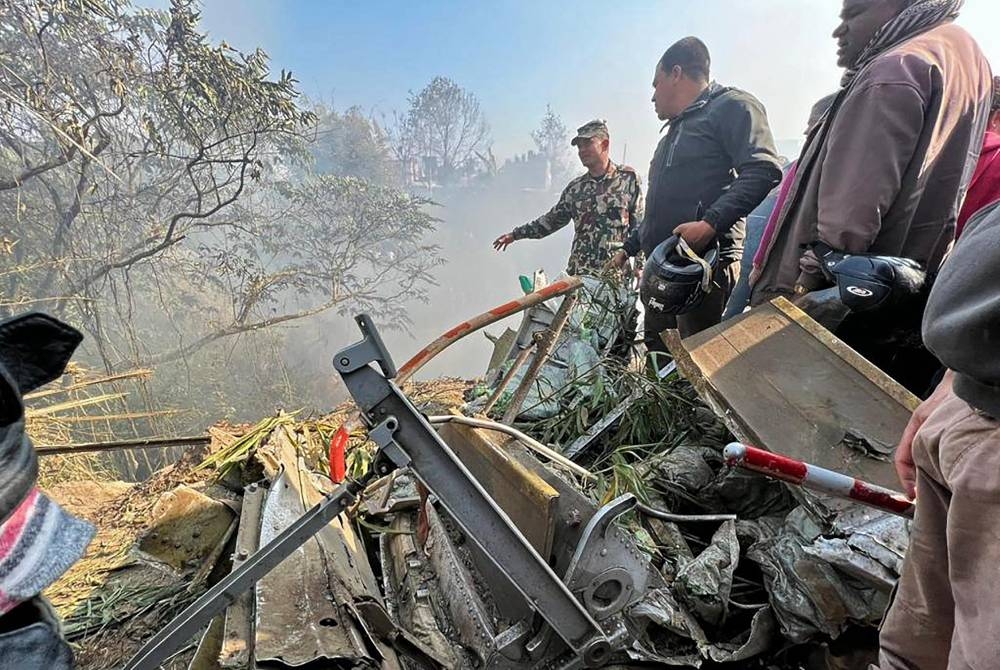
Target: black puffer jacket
{"x":717,"y":162}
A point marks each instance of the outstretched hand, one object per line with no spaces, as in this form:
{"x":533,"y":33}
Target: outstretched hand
{"x":501,"y":243}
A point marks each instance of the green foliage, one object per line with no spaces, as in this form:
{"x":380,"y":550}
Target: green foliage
{"x":657,"y":416}
{"x":662,"y":415}
{"x":157,"y":191}
{"x":241,"y":449}
{"x":349,"y":144}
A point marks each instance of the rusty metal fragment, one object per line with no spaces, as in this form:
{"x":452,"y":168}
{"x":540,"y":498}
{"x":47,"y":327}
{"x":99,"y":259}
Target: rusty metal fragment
{"x":206,"y":656}
{"x":237,"y":639}
{"x":412,"y":596}
{"x":305,"y":610}
{"x":469,"y":613}
{"x":186,"y":530}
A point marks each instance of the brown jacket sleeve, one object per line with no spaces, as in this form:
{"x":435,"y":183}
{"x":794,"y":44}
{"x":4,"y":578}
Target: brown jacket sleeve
{"x":875,"y":135}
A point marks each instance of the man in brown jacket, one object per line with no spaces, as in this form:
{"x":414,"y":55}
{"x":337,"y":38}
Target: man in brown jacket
{"x":887,"y":169}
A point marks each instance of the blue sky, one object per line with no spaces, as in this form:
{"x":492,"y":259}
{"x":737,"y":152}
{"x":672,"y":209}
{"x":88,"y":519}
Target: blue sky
{"x":586,"y":58}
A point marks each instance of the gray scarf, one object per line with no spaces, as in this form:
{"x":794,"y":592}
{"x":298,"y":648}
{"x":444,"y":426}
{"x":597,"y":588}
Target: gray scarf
{"x":919,"y":17}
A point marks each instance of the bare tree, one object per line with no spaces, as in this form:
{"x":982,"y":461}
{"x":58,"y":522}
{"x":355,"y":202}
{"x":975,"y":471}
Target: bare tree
{"x":444,"y":122}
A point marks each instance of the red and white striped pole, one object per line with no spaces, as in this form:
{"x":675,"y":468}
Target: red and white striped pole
{"x":818,"y":479}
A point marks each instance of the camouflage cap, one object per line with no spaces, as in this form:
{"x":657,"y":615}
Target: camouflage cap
{"x":595,"y":128}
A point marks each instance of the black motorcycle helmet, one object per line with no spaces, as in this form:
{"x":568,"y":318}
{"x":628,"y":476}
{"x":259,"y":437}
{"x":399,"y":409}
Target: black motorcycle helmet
{"x":675,"y":279}
{"x":868,"y":282}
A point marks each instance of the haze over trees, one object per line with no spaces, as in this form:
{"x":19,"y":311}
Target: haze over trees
{"x":552,"y":140}
{"x":444,"y":125}
{"x":181,"y":203}
{"x":178,"y":201}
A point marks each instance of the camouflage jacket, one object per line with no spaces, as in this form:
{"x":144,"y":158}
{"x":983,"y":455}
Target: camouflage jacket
{"x":604,"y":210}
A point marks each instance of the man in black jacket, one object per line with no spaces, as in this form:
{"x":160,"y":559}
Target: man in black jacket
{"x":716,"y":163}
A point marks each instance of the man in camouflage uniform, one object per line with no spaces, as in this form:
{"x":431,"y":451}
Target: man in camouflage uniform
{"x":605,"y":204}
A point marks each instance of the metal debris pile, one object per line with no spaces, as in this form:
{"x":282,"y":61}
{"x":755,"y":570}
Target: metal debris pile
{"x":781,"y":582}
{"x":735,"y":569}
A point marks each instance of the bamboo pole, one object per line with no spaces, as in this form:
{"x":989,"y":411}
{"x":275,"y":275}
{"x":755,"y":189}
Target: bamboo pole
{"x":522,"y":356}
{"x":147,"y":443}
{"x":542,"y":353}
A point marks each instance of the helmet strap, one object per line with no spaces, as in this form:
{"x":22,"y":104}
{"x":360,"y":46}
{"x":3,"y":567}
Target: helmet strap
{"x":706,"y":269}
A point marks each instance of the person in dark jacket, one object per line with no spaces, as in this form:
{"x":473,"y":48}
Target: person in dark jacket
{"x":944,"y":612}
{"x":716,"y":163}
{"x":762,"y":219}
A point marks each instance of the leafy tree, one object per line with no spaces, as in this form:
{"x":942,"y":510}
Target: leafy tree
{"x":552,"y":140}
{"x":146,"y":197}
{"x":349,"y":144}
{"x":444,"y":122}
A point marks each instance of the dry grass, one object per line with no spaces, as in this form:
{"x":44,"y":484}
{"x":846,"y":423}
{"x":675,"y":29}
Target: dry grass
{"x":60,"y":469}
{"x":121,"y":512}
{"x":83,"y":406}
{"x":74,"y":407}
{"x":314,"y":434}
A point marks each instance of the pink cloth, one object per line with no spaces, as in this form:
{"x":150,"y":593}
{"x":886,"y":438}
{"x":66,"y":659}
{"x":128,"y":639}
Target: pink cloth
{"x":39,"y":542}
{"x":984,"y":189}
{"x":772,"y":222}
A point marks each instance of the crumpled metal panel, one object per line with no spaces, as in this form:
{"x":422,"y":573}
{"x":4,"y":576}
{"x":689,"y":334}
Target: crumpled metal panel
{"x":661,"y":607}
{"x":671,"y":636}
{"x":869,"y":546}
{"x":884,"y":537}
{"x":468,"y":612}
{"x":839,"y":553}
{"x":704,"y":584}
{"x":305,"y":609}
{"x":808,"y":595}
{"x":411,"y":589}
{"x":753,"y":643}
{"x":297,"y":620}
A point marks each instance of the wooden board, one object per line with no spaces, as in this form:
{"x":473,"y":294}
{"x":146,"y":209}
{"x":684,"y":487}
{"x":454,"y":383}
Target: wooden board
{"x":782,"y":382}
{"x":521,"y":493}
{"x":527,"y":499}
